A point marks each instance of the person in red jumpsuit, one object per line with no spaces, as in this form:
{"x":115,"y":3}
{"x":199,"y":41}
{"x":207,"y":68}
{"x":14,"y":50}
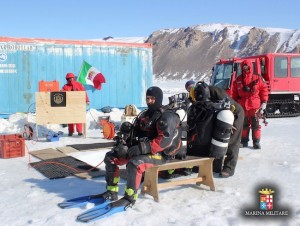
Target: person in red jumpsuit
{"x":251,"y":92}
{"x":155,"y":139}
{"x":73,"y":85}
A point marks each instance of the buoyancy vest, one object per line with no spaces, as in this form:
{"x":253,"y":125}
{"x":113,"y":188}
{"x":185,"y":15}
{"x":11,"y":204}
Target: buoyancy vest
{"x":162,"y":129}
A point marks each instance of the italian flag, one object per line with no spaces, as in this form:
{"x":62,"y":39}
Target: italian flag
{"x":89,"y":75}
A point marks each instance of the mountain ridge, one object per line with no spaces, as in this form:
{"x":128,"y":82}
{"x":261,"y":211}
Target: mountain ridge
{"x":191,"y":52}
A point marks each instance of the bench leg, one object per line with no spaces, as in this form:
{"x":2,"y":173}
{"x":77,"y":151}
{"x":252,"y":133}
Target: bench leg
{"x":150,"y":183}
{"x":205,"y":170}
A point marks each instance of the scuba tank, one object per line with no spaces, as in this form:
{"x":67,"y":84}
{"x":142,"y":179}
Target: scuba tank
{"x":221,"y":133}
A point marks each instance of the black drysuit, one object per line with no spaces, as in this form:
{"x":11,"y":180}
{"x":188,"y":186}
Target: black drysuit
{"x":157,"y":135}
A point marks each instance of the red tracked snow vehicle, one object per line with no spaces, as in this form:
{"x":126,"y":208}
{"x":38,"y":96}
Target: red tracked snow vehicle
{"x":281,"y":72}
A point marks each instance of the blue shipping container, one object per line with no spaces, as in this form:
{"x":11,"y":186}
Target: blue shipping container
{"x":127,"y":68}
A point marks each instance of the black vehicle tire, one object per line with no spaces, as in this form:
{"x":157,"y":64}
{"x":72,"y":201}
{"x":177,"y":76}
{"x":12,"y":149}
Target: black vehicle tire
{"x":271,"y":108}
{"x":285,"y":108}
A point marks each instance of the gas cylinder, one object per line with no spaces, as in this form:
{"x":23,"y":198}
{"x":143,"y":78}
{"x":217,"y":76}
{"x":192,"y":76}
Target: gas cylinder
{"x":221,"y":134}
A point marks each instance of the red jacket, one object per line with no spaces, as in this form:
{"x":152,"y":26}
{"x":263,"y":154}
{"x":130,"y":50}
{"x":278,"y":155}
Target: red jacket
{"x":75,"y":86}
{"x":250,"y":90}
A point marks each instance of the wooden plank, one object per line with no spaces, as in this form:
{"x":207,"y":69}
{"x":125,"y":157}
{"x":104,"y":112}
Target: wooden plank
{"x":180,"y":182}
{"x":67,"y":149}
{"x":74,"y":112}
{"x":183,"y":163}
{"x":47,"y":153}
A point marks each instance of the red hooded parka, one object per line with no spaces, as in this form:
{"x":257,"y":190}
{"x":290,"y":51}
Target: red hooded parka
{"x":250,"y":91}
{"x":258,"y":89}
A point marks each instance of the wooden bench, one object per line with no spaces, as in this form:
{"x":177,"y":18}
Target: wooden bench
{"x":204,"y":176}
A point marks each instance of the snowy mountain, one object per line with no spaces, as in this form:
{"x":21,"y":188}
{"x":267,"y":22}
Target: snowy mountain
{"x":191,"y":52}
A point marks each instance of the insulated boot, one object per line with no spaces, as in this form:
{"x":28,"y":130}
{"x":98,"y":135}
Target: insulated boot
{"x":256,"y":145}
{"x":245,"y":133}
{"x":168,"y":174}
{"x":243,"y":144}
{"x":225,"y":173}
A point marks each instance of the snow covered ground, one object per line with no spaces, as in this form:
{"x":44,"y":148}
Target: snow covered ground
{"x":29,"y":198}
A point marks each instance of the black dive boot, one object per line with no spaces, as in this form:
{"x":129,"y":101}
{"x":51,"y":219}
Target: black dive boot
{"x":127,"y":201}
{"x":123,"y":202}
{"x":217,"y":165}
{"x":110,"y":195}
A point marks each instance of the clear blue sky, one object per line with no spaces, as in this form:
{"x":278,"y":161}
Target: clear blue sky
{"x":90,"y":19}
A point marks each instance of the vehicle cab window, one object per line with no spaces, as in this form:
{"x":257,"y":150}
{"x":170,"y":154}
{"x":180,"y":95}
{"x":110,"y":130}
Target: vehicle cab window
{"x":295,"y":67}
{"x":280,"y":67}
